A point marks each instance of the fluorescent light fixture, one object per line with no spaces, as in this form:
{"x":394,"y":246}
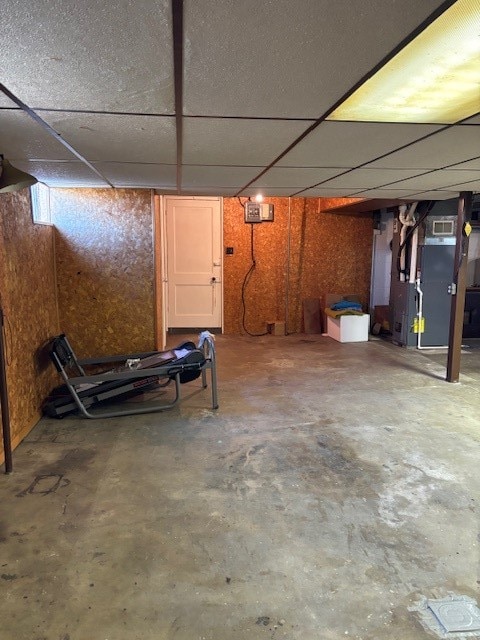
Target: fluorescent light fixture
{"x":434,"y":79}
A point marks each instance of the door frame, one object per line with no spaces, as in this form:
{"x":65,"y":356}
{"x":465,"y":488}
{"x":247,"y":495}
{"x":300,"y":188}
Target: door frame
{"x":161,"y":255}
{"x":159,"y":272}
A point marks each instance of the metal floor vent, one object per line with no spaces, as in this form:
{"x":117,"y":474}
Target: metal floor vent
{"x":452,"y":617}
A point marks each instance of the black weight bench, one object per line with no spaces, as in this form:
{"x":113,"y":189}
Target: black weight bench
{"x":134,"y":374}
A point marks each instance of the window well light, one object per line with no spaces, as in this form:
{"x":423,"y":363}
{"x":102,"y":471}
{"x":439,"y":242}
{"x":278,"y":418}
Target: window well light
{"x":434,"y":79}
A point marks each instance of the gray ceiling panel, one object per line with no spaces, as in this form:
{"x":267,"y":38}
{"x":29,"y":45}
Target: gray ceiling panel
{"x":325,"y":192}
{"x":6,"y":102}
{"x":149,"y":176}
{"x":237,"y":142}
{"x":469,"y":164}
{"x":268,"y":192}
{"x":21,"y":138}
{"x":439,"y":194}
{"x":95,"y":55}
{"x":226,"y":192}
{"x":62,"y":174}
{"x":100,"y":137}
{"x":348,"y":144}
{"x":471,"y":185}
{"x":275,"y":59}
{"x":294,"y":177}
{"x":369,"y":178}
{"x":474,"y":120}
{"x":444,"y":148}
{"x":442,"y":179}
{"x":400,"y":194}
{"x":234,"y":177}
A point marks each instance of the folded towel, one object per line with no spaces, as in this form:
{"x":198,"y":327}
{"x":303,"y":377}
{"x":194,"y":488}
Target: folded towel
{"x":343,"y":312}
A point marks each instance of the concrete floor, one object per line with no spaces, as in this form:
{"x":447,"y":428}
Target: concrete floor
{"x":336,"y":485}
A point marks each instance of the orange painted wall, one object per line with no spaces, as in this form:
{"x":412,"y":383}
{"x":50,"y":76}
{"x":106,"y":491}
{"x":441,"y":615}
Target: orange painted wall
{"x":27,"y":289}
{"x":329,"y":253}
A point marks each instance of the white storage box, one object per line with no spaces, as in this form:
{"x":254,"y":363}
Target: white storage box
{"x":349,"y":328}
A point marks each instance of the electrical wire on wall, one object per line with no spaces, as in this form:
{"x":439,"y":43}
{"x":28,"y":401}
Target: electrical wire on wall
{"x":246,"y":280}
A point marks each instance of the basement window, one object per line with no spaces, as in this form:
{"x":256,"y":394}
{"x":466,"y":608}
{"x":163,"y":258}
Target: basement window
{"x":40,"y":196}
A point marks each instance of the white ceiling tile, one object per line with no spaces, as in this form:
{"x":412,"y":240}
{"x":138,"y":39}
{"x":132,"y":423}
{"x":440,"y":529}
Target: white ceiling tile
{"x":237,"y":142}
{"x":149,"y":176}
{"x":105,"y":56}
{"x":348,"y":144}
{"x":62,"y":174}
{"x":21,"y":138}
{"x":442,"y":149}
{"x":107,"y":138}
{"x":235,"y":177}
{"x":277,"y":58}
{"x":294,"y":177}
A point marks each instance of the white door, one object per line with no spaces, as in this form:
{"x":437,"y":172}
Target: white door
{"x":194,"y":262}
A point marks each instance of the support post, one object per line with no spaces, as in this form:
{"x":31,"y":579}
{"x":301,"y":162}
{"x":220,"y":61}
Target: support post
{"x":459,"y":287}
{"x":7,"y":443}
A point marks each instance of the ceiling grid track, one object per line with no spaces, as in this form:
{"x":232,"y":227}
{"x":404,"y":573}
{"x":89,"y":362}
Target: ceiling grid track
{"x":51,"y":131}
{"x":177,"y":28}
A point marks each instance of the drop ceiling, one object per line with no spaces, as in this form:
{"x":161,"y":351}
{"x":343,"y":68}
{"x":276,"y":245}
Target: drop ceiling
{"x":219,"y":97}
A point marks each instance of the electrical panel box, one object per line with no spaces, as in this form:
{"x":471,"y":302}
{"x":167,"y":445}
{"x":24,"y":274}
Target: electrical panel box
{"x":257,"y":212}
{"x":253,"y":212}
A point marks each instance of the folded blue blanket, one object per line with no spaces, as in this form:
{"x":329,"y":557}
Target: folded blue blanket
{"x":346,"y":304}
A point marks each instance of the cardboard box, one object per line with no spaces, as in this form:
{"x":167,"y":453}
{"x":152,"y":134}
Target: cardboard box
{"x":276,"y":327}
{"x":349,"y":328}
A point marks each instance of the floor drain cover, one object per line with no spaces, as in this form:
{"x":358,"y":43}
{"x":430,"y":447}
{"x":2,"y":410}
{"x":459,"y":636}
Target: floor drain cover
{"x":451,"y":617}
{"x":456,"y":614}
